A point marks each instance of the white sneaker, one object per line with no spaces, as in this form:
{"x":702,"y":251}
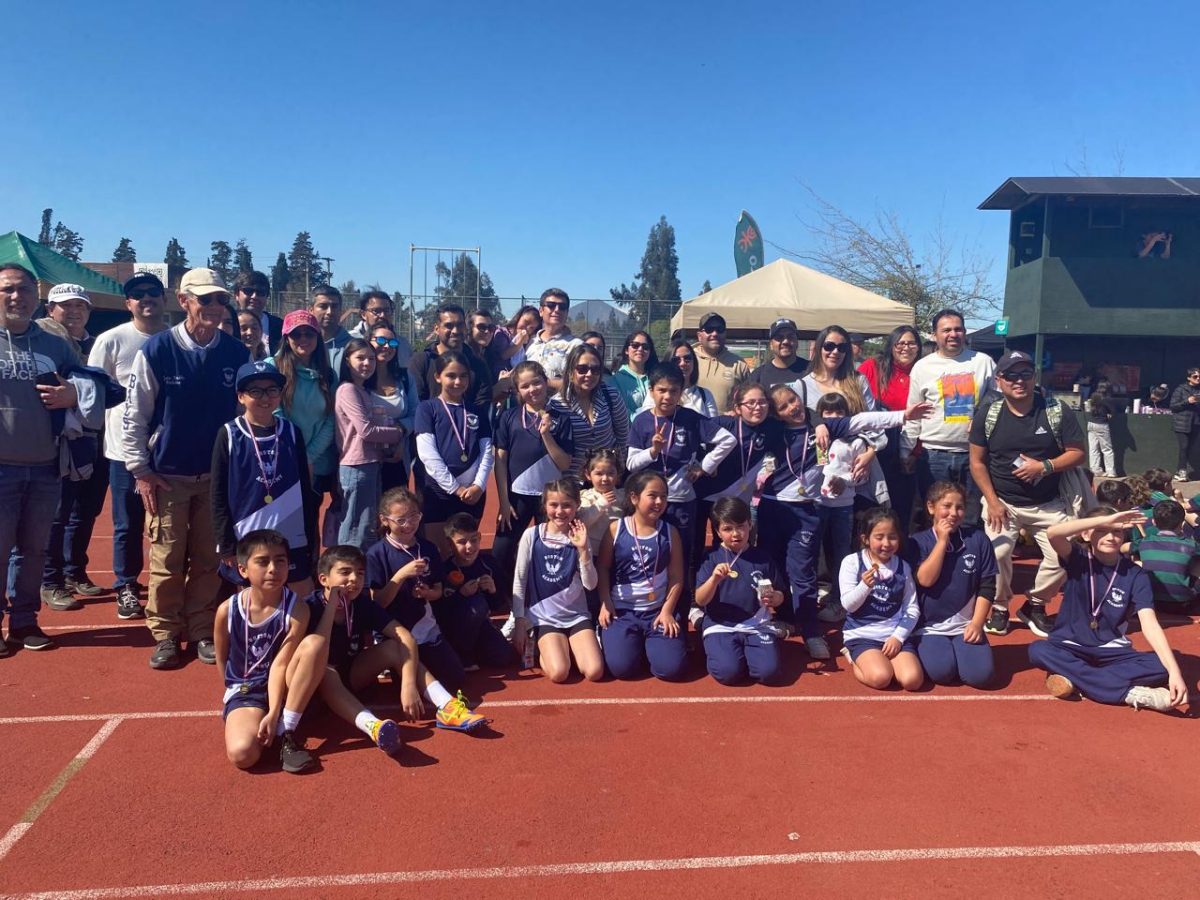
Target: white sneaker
{"x":696,"y":616}
{"x":817,"y":647}
{"x":831,"y":613}
{"x":1140,"y":697}
{"x":509,"y":626}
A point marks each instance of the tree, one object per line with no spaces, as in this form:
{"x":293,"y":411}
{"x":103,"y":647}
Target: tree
{"x":124,"y":251}
{"x":706,"y":287}
{"x":242,"y":260}
{"x":175,"y":255}
{"x":67,"y":242}
{"x":654,"y":293}
{"x":44,"y":234}
{"x":880,"y":255}
{"x":280,"y":275}
{"x":458,"y":285}
{"x":221,"y":260}
{"x":303,"y":261}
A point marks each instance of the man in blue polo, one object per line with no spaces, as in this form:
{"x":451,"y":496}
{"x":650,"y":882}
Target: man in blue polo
{"x":180,"y":393}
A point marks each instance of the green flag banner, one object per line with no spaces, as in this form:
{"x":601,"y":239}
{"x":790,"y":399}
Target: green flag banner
{"x":747,"y":245}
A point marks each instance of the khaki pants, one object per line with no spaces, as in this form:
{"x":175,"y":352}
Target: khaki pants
{"x":1035,"y":520}
{"x":184,"y":585}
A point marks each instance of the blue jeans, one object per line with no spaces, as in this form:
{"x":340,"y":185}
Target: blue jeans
{"x":29,"y":496}
{"x":944,"y":465}
{"x":78,"y":506}
{"x":361,"y":489}
{"x":129,"y":522}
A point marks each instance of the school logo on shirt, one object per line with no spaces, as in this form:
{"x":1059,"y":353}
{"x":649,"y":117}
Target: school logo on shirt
{"x":806,"y":537}
{"x":1116,"y":597}
{"x":758,"y":442}
{"x":553,"y":563}
{"x":969,"y":560}
{"x":228,"y":375}
{"x":472,"y":420}
{"x":680,"y":438}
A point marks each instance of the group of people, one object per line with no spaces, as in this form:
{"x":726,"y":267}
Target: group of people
{"x":227,"y":447}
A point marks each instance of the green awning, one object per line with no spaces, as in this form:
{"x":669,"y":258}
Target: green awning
{"x":54,"y":267}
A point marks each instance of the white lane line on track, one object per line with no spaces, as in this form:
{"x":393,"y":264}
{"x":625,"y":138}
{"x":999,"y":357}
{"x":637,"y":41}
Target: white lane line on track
{"x":618,"y":866}
{"x":72,"y":768}
{"x":579,"y":701}
{"x":68,"y":628}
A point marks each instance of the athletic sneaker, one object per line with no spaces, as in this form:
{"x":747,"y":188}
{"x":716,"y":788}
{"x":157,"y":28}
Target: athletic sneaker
{"x":59,"y":598}
{"x":386,"y":735}
{"x":166,"y":655}
{"x":1060,"y":686}
{"x":997,"y":622}
{"x":696,"y":617}
{"x":1034,"y":616}
{"x":817,"y":647}
{"x":84,"y":587}
{"x":206,"y":651}
{"x":457,"y":716}
{"x":779,"y":628}
{"x":294,"y":758}
{"x":509,"y":626}
{"x":1140,"y":697}
{"x":128,"y":604}
{"x":1181,"y":475}
{"x":31,"y":638}
{"x":831,"y":613}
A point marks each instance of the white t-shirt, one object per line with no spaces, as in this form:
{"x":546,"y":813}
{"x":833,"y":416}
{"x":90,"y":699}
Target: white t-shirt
{"x":955,"y":386}
{"x":114,"y":352}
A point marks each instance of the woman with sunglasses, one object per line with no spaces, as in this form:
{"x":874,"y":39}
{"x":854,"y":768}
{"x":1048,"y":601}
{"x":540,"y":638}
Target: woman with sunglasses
{"x":307,"y":401}
{"x":694,"y":396}
{"x":638,"y":359}
{"x":394,"y":398}
{"x":599,"y":419}
{"x":888,"y":377}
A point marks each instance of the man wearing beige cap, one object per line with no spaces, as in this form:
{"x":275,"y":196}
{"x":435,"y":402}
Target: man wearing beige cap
{"x":180,"y":394}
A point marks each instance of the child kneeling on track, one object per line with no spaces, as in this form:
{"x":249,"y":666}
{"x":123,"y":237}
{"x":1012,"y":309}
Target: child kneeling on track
{"x":270,"y":667}
{"x":879,"y":595}
{"x":404,"y":573}
{"x":343,"y":614}
{"x":1170,"y":558}
{"x":1087,"y":650}
{"x":464,"y":612}
{"x":956,"y":584}
{"x":554,"y":570}
{"x":641,"y":580}
{"x":736,"y":589}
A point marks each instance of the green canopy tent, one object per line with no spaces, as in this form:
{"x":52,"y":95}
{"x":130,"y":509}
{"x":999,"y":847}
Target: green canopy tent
{"x":52,"y":268}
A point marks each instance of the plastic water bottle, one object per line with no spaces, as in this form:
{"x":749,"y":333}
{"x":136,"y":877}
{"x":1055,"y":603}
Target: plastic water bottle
{"x":530,"y":650}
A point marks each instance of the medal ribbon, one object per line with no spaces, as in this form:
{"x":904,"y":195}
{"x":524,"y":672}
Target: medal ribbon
{"x":460,"y":437}
{"x":1095,"y":607}
{"x":643,"y":556}
{"x":670,"y":439}
{"x":268,"y":475}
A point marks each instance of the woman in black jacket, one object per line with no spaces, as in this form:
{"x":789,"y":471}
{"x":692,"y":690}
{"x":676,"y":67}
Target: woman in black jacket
{"x":1184,"y":406}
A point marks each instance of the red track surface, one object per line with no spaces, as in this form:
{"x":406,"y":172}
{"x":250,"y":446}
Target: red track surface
{"x":641,"y":793}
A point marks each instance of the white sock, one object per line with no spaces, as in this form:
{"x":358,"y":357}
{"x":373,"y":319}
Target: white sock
{"x":288,"y":721}
{"x":437,"y":694}
{"x":364,"y":722}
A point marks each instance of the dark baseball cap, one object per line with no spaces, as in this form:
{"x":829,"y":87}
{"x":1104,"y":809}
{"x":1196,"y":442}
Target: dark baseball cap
{"x":780,"y":325}
{"x":143,"y":279}
{"x":254,"y":371}
{"x":1012,"y":359}
{"x":711,"y":321}
{"x":856,"y":338}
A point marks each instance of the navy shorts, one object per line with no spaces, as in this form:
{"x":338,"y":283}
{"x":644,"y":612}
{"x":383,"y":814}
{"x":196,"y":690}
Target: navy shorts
{"x":252,"y":695}
{"x":858,"y":646}
{"x":438,"y":506}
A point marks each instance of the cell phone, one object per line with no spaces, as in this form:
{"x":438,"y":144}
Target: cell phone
{"x":49,"y":379}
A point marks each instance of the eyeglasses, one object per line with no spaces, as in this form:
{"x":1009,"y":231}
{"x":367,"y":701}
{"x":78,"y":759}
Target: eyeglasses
{"x":484,"y":327}
{"x":714,"y":329}
{"x":905,"y":345}
{"x":587,"y":370}
{"x":254,"y":292}
{"x":403,"y":521}
{"x":1022,"y":375}
{"x":835,"y":347}
{"x":261,"y":393}
{"x":555,"y":304}
{"x":142,"y":293}
{"x":638,"y":345}
{"x":382,"y":342}
{"x":754,"y":404}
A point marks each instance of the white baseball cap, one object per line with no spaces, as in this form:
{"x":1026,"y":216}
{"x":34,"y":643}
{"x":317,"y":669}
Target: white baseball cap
{"x":61,"y":292}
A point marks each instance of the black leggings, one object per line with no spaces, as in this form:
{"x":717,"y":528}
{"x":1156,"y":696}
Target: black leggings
{"x":1187,"y":443}
{"x":504,"y":549}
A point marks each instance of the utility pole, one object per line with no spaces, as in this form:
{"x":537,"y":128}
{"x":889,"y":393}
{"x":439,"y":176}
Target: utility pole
{"x":328,"y":260}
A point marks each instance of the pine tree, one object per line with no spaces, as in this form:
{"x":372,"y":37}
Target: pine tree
{"x":66,"y":242}
{"x":242,"y":260}
{"x":458,"y":285}
{"x":654,"y":294}
{"x":304,"y":260}
{"x":44,"y":234}
{"x":221,"y":260}
{"x":280,"y":275}
{"x":175,"y":255}
{"x":125,"y":251}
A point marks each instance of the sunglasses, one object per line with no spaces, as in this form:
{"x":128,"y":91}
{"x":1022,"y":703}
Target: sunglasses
{"x":587,"y":370}
{"x":714,"y":329}
{"x":382,"y":342}
{"x":209,"y":299}
{"x":555,"y":304}
{"x":261,"y":393}
{"x":254,"y":292}
{"x":684,"y":358}
{"x":142,"y":293}
{"x":303,"y":333}
{"x":834,"y":347}
{"x":638,"y":345}
{"x":481,"y":326}
{"x":1023,"y":375}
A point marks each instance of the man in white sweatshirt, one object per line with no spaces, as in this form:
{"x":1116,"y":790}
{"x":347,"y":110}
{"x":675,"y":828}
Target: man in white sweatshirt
{"x":954,"y":380}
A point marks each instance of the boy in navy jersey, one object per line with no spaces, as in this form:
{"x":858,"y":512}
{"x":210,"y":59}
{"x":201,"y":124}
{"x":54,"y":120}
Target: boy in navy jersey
{"x":270,"y":667}
{"x":738,"y":589}
{"x":1087,"y":650}
{"x":470,"y":582}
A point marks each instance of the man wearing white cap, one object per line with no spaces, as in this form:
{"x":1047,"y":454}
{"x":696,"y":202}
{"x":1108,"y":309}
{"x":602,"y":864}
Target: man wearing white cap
{"x":180,"y":394}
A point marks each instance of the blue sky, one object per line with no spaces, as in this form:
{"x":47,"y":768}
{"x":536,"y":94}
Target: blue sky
{"x":554,"y":135}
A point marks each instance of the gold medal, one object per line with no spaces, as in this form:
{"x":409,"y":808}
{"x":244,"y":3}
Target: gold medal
{"x":650,"y":596}
{"x":245,"y":688}
{"x":463,"y":457}
{"x":1095,"y":624}
{"x":268,"y":498}
{"x":733,"y":574}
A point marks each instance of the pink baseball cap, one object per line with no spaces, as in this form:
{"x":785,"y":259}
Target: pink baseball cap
{"x":300,"y":318}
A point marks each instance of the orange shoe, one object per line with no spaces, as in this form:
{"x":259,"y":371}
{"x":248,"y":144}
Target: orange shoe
{"x":457,"y":716}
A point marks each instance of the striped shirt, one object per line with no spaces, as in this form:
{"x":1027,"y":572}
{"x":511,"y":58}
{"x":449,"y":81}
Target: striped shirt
{"x":607,"y":429}
{"x":1167,"y":556}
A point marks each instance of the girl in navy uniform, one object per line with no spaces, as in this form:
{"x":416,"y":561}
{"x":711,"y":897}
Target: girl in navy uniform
{"x":879,"y":595}
{"x":737,"y":589}
{"x":668,"y":438}
{"x":956,"y":584}
{"x":1087,"y":650}
{"x":554,"y":570}
{"x":260,"y":478}
{"x":404,"y":574}
{"x":454,"y":443}
{"x":533,"y":447}
{"x":641,"y":581}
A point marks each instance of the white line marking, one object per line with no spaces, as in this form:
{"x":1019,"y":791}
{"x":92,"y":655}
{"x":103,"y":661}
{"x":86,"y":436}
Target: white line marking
{"x":47,"y":796}
{"x":579,"y":701}
{"x":67,"y":628}
{"x":837,"y":857}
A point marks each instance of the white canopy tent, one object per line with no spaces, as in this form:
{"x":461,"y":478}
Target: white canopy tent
{"x":784,"y":289}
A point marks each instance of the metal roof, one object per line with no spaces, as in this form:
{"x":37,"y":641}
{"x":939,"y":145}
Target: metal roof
{"x":1016,"y":192}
